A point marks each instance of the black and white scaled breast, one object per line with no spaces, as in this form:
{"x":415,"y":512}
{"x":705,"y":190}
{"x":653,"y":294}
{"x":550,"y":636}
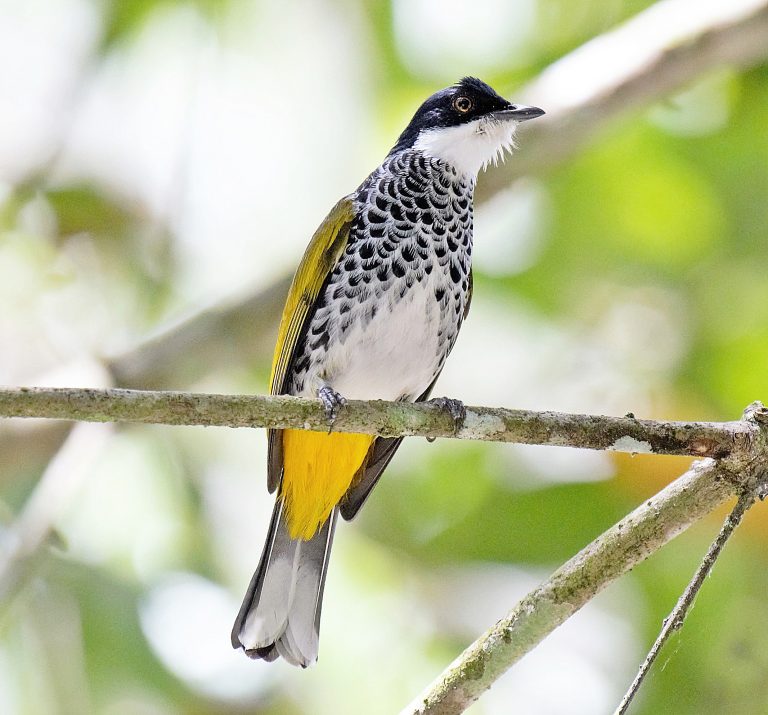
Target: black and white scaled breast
{"x":392,"y":307}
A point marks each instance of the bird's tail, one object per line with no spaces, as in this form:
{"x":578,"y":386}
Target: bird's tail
{"x":280,"y":614}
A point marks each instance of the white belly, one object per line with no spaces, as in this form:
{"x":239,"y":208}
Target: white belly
{"x":394,"y":356}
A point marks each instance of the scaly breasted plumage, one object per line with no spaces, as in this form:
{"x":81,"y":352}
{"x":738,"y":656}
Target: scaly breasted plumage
{"x":373,"y":312}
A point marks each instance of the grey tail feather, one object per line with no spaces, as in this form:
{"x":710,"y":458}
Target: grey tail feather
{"x":280,"y":615}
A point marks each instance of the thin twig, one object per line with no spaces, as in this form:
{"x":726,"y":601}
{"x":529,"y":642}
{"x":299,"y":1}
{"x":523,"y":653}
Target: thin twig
{"x":676,"y":618}
{"x":387,"y":419}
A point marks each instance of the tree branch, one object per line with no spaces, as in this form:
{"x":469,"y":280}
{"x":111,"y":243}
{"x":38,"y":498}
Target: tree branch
{"x":741,"y":447}
{"x":705,"y":486}
{"x":735,"y":33}
{"x":700,"y":490}
{"x":387,"y":419}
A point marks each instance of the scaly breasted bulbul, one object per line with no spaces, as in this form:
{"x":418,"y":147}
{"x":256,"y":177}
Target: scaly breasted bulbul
{"x":373,"y":312}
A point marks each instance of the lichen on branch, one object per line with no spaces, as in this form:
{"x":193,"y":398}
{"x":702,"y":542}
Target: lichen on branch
{"x":387,"y":419}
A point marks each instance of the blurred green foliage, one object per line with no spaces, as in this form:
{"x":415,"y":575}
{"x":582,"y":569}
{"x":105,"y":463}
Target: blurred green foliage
{"x":662,"y":215}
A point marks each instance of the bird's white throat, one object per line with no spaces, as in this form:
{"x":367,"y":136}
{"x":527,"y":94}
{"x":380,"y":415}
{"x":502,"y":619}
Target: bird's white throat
{"x":469,"y":147}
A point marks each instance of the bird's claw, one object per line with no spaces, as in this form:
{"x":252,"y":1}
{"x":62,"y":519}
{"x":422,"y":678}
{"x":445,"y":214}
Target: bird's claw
{"x":332,"y":402}
{"x":454,"y":407}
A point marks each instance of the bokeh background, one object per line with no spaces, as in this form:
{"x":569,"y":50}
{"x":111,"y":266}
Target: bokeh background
{"x":162,"y":166}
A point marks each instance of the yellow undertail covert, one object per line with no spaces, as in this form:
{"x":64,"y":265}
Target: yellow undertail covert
{"x":318,"y":469}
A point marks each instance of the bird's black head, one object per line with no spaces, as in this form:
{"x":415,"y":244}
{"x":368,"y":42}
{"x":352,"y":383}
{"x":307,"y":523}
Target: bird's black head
{"x":463,"y":103}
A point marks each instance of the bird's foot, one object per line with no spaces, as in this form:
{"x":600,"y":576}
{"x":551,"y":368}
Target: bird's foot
{"x":454,"y":407}
{"x":332,"y":402}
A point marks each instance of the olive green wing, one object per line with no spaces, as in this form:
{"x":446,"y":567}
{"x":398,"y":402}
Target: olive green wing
{"x":319,"y":260}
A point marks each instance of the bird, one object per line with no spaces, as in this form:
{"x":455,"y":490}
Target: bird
{"x":373,"y":311}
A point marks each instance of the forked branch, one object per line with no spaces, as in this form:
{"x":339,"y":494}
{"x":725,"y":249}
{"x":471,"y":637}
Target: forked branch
{"x":740,"y":448}
{"x":706,"y":485}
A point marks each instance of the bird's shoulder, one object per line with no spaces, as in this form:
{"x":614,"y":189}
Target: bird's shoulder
{"x":321,"y":255}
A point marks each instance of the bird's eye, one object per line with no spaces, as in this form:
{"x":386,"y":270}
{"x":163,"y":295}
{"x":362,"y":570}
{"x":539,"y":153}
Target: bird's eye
{"x":462,"y":104}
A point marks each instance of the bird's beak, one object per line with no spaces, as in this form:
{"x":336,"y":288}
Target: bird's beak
{"x":518,"y":113}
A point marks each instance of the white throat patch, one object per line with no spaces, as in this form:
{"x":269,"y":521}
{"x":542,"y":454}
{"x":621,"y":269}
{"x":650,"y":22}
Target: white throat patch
{"x":469,"y":147}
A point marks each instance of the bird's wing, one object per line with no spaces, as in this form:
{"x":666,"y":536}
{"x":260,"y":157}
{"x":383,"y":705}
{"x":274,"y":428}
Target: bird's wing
{"x":322,"y":254}
{"x":382,"y":451}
